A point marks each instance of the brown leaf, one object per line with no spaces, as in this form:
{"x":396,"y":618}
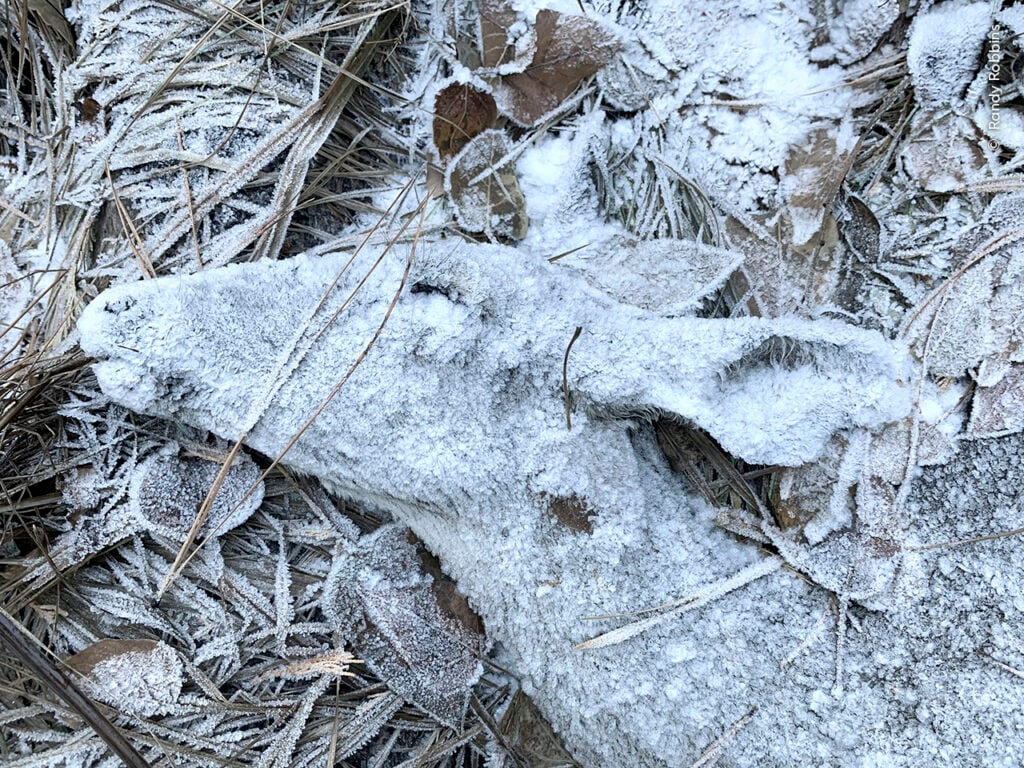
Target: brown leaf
{"x":496,"y":18}
{"x":104,"y":650}
{"x":486,"y":194}
{"x":804,"y":493}
{"x":525,"y":730}
{"x":460,"y":113}
{"x":569,"y":50}
{"x":814,"y":172}
{"x":143,"y":677}
{"x":860,"y":228}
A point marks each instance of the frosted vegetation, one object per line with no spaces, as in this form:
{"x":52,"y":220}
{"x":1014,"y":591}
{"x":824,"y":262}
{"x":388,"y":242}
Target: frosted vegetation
{"x":512,"y":383}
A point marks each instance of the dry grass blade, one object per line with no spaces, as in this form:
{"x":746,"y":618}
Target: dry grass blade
{"x":710,"y":471}
{"x":689,"y":603}
{"x":711,"y":755}
{"x":134,"y":239}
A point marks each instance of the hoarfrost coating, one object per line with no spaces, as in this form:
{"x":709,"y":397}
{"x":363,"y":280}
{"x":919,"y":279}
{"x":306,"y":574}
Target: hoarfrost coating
{"x":481,"y":330}
{"x":456,"y":422}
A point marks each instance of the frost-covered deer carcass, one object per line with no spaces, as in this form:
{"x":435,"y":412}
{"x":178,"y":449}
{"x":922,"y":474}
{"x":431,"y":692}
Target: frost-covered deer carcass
{"x":518,"y":449}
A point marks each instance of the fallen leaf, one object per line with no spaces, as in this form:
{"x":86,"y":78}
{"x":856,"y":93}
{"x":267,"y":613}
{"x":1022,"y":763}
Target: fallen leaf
{"x":484,"y":190}
{"x":953,"y":333}
{"x":141,"y":677}
{"x":943,"y":153}
{"x":813,"y":175}
{"x":167,"y":492}
{"x":668,"y":276}
{"x":379,"y":598}
{"x":496,"y":19}
{"x":999,"y":409}
{"x":569,"y":49}
{"x":460,"y":113}
{"x":858,"y":227}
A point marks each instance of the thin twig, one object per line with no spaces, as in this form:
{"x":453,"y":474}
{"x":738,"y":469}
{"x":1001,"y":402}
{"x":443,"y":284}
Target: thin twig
{"x":565,"y":376}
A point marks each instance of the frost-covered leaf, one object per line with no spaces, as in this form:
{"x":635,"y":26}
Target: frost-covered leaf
{"x":858,"y":25}
{"x":482,"y":185}
{"x":569,"y":49}
{"x":461,"y":111}
{"x":943,"y":153}
{"x":858,"y":226}
{"x":378,"y":596}
{"x":976,"y":318}
{"x":958,"y":334}
{"x":666,"y":276}
{"x":814,"y":172}
{"x":496,"y":20}
{"x":140,"y":677}
{"x":999,"y":409}
{"x":169,"y":490}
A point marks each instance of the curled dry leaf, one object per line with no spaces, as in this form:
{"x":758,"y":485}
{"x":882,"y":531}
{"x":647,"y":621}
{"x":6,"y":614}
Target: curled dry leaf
{"x":140,"y":677}
{"x":569,"y":50}
{"x":460,"y":113}
{"x":483,"y":187}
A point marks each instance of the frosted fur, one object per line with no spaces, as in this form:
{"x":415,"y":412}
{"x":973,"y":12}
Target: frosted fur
{"x":477,"y":319}
{"x":456,"y":423}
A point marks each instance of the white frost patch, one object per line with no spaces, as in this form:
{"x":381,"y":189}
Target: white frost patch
{"x":946,"y":48}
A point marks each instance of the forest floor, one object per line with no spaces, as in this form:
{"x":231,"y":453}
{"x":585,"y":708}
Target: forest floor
{"x":174,"y":591}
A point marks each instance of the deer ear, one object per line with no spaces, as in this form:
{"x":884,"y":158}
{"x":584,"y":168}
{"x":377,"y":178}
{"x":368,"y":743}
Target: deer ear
{"x":769,"y":391}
